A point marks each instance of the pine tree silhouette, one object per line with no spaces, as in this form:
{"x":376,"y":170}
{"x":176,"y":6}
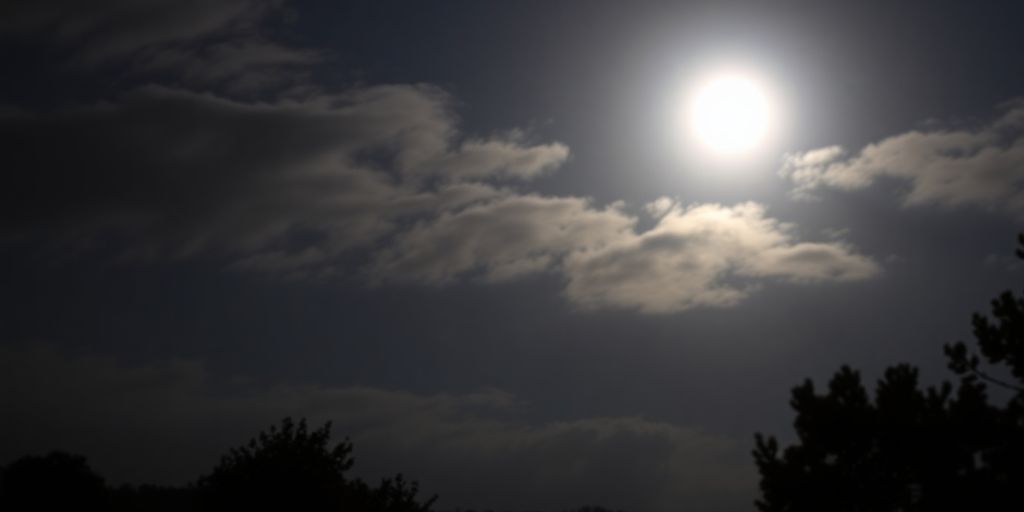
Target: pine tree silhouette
{"x":908,"y":448}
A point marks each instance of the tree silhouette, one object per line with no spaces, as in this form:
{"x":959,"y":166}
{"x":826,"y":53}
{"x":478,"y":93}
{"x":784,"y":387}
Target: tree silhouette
{"x":57,"y":481}
{"x":293,"y":468}
{"x":152,"y":498}
{"x":908,"y":448}
{"x":392,"y":495}
{"x":288,"y":467}
{"x":285,"y":467}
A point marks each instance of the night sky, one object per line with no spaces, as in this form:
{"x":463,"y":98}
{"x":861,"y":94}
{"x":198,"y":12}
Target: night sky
{"x":482,"y":237}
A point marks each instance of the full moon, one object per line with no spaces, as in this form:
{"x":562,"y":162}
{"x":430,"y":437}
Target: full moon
{"x":730,"y":114}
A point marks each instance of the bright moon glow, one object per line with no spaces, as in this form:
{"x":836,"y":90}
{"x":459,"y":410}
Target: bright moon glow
{"x":730,"y":114}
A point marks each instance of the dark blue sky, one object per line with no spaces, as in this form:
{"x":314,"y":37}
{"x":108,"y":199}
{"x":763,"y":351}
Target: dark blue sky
{"x":426,"y":221}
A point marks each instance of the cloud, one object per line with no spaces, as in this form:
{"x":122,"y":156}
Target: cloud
{"x":693,"y":256}
{"x":242,"y":66}
{"x":476,"y":449}
{"x":704,"y":255}
{"x":298,"y":187}
{"x":501,"y":157}
{"x":372,"y":181}
{"x":980,"y":167}
{"x":109,"y":28}
{"x":188,"y":173}
{"x":659,"y":207}
{"x":199,"y":43}
{"x":500,"y":239}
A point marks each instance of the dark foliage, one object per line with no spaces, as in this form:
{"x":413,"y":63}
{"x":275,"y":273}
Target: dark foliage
{"x":58,"y":481}
{"x":392,"y":495}
{"x":908,"y":448}
{"x":584,"y":508}
{"x":293,"y":468}
{"x":592,"y":508}
{"x":151,"y":498}
{"x":288,"y":467}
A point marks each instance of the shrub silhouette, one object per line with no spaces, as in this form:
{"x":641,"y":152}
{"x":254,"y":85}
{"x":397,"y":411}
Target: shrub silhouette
{"x":151,"y":498}
{"x":293,"y":468}
{"x":57,"y":481}
{"x":908,"y":448}
{"x":288,"y":467}
{"x":392,"y":495}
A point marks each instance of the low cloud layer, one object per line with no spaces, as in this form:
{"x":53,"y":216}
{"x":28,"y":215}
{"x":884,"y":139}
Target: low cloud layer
{"x":980,"y":167}
{"x":474,"y":449}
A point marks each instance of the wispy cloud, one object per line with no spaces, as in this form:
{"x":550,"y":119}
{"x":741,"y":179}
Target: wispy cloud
{"x":699,"y":255}
{"x":220,"y":44}
{"x":704,"y":255}
{"x":290,"y":187}
{"x":374,"y":181}
{"x":981,"y":167}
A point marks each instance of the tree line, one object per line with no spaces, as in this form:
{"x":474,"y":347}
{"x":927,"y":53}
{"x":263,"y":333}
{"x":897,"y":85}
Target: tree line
{"x":950,"y":447}
{"x":287,"y":467}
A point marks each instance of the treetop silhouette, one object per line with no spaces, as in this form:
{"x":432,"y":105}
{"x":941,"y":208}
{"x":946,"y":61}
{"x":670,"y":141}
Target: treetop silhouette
{"x":29,"y":483}
{"x":291,"y":467}
{"x":287,"y":467}
{"x":907,"y":448}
